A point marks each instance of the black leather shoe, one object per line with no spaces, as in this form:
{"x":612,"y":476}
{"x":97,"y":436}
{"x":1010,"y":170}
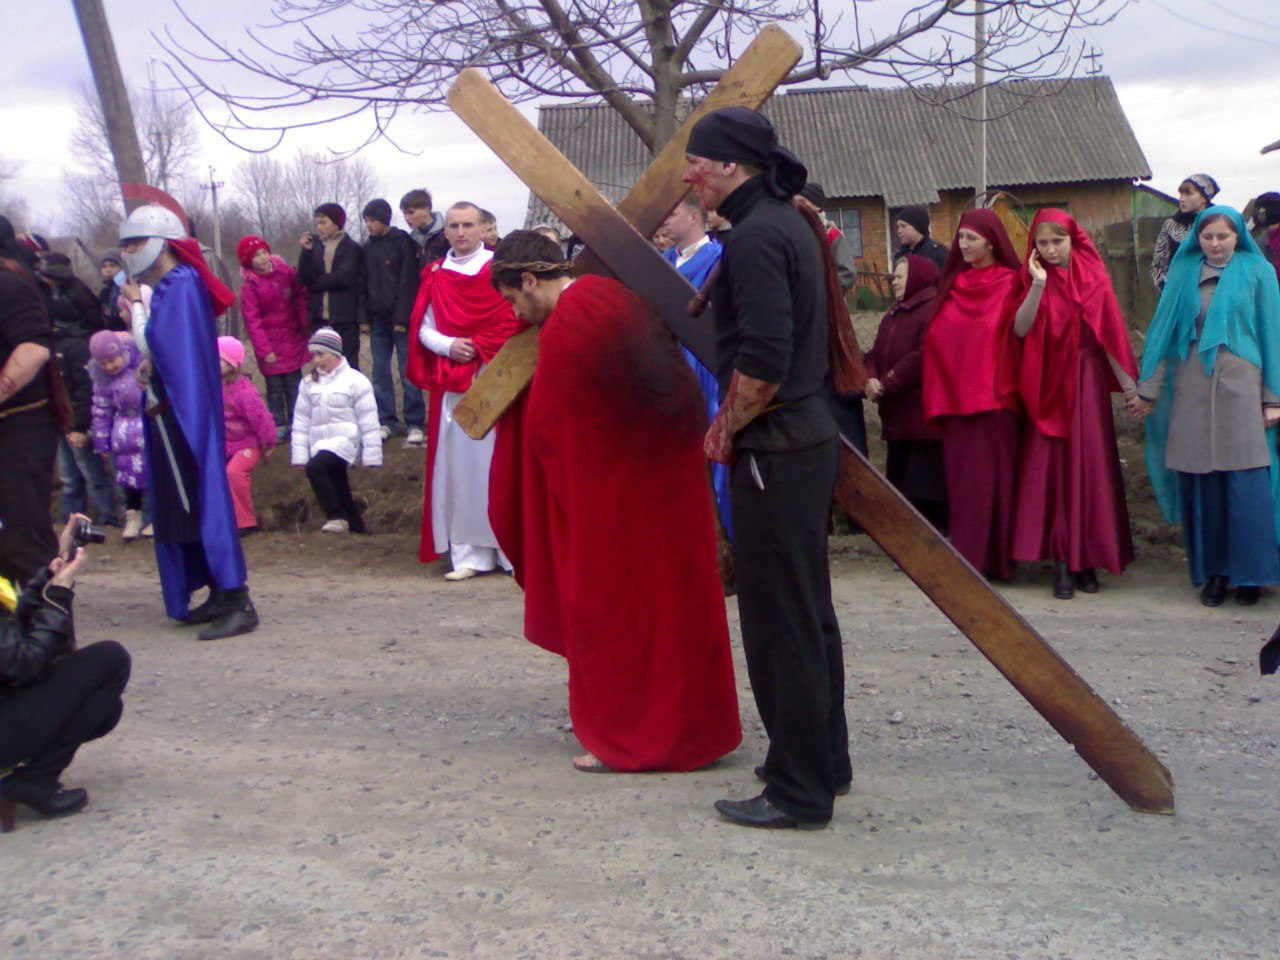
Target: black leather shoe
{"x":237,"y":616}
{"x":1087,"y":580}
{"x":1247,"y":596}
{"x":760,"y":813}
{"x":1214,"y":592}
{"x":1064,"y":587}
{"x":208,"y":611}
{"x":55,"y":803}
{"x":842,"y":789}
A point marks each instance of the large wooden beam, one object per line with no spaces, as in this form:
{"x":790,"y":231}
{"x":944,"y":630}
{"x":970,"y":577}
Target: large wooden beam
{"x":748,"y":83}
{"x":1046,"y":680}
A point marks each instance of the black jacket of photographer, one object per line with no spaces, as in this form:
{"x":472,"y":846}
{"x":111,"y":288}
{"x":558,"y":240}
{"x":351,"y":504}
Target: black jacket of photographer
{"x":343,"y":282}
{"x":39,"y":630}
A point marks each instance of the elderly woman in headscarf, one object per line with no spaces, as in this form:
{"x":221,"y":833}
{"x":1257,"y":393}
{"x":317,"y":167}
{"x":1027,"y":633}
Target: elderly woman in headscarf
{"x":1070,"y":505}
{"x":894,"y":364}
{"x":970,"y":391}
{"x":1195,"y":193}
{"x":1210,"y":382}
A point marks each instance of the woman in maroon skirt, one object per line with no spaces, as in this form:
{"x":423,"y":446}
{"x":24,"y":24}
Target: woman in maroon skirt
{"x":970,"y":389}
{"x":1076,"y":351}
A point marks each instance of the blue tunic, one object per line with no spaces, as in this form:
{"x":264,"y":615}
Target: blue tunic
{"x":696,"y":270}
{"x":195,"y":527}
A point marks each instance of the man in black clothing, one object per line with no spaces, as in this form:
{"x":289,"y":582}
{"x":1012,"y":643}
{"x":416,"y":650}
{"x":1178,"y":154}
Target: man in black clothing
{"x":776,"y":431}
{"x":426,"y":227}
{"x":331,"y":267}
{"x":912,"y":228}
{"x":391,"y":285}
{"x":113,"y":275}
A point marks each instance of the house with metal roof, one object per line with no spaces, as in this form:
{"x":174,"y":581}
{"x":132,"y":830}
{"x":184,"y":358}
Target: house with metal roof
{"x":1059,"y":143}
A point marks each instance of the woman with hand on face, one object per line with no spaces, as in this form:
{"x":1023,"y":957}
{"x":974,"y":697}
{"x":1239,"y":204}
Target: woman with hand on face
{"x":1210,"y":384}
{"x":970,"y":391}
{"x":1070,"y":505}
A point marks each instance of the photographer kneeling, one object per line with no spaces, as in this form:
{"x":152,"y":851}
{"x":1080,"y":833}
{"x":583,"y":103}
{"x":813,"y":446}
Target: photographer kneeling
{"x":53,"y":696}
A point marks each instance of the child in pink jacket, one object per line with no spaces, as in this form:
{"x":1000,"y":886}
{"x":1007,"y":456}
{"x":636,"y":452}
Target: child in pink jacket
{"x":251,"y":433}
{"x":275,"y":318}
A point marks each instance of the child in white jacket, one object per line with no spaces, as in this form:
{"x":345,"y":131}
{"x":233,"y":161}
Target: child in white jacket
{"x":335,"y":418}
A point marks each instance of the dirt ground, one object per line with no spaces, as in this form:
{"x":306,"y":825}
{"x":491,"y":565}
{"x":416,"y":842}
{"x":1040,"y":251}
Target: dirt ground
{"x":382,"y":771}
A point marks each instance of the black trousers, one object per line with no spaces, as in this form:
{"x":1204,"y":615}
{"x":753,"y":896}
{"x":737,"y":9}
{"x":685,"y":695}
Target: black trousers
{"x":28,"y":450}
{"x":350,"y":333}
{"x":328,"y":475}
{"x":78,"y":700}
{"x":789,"y":629}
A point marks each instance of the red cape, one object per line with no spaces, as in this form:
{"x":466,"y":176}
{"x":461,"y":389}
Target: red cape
{"x":461,"y":306}
{"x":599,"y":495}
{"x":1051,"y":349}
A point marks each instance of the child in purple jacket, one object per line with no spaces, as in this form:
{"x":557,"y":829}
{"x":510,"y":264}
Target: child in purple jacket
{"x":251,"y":433}
{"x":116,"y":420}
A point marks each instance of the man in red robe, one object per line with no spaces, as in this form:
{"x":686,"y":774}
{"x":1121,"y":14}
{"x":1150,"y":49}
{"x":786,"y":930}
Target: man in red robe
{"x":458,"y":323}
{"x":600,"y":498}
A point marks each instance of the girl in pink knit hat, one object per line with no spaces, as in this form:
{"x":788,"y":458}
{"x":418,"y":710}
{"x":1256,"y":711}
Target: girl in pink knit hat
{"x":251,"y":433}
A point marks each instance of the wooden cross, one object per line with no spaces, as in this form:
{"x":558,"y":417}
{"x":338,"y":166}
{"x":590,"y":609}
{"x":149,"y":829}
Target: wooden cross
{"x":1048,"y":683}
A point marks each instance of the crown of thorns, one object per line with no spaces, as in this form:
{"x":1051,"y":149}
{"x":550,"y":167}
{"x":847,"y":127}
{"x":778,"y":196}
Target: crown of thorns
{"x":530,"y":266}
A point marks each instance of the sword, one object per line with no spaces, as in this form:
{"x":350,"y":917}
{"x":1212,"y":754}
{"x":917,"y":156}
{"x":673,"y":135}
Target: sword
{"x":168,"y":448}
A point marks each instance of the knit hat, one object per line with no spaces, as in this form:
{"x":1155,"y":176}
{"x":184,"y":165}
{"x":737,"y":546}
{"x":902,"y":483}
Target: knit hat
{"x":105,"y":345}
{"x":334,"y":212}
{"x":814,"y":193}
{"x":34,"y":242}
{"x":326,"y":339}
{"x":916,"y":216}
{"x":1266,"y":210}
{"x":231,"y":350}
{"x":1207,"y":186}
{"x":378,"y":210}
{"x":111,"y":256}
{"x":247,"y":247}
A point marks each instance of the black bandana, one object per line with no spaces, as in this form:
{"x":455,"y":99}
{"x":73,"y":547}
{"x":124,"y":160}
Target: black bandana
{"x":741,"y":135}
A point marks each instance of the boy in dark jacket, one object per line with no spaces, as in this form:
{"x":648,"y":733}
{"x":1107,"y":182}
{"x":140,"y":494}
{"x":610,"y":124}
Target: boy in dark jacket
{"x":331,"y":267}
{"x":112,"y":271}
{"x":426,"y":228}
{"x":391,"y":285}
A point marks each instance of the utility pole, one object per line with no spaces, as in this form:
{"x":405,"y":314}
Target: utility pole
{"x":156,"y":133}
{"x":122,"y":135}
{"x":980,"y":84}
{"x":212,"y":186}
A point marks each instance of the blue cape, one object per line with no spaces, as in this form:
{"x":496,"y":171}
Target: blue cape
{"x":696,"y":270}
{"x":1243,"y":317}
{"x":182,"y":339}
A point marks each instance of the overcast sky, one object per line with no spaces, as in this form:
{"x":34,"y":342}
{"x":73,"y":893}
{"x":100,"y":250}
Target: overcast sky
{"x":1197,"y":79}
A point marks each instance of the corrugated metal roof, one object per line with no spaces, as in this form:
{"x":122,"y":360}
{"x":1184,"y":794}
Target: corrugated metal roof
{"x":902,"y":144}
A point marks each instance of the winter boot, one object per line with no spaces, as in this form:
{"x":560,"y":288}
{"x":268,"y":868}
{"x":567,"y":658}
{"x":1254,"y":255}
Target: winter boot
{"x":132,"y":525}
{"x":236,"y":616}
{"x":208,"y":611}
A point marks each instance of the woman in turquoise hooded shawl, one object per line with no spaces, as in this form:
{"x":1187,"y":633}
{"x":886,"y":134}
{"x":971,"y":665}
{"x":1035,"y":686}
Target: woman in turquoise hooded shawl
{"x":1210,"y":381}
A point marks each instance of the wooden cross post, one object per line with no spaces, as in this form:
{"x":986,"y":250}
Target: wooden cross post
{"x":1048,"y":683}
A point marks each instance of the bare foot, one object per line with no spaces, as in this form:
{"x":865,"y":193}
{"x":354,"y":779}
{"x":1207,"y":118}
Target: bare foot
{"x":590,"y":763}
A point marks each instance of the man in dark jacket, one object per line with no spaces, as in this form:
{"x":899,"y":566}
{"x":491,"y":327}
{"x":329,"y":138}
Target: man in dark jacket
{"x":912,"y":229}
{"x":391,"y":285}
{"x":425,"y":226}
{"x":113,"y":275}
{"x":331,"y":267}
{"x":775,"y":430}
{"x":53,"y":696}
{"x":82,"y":473}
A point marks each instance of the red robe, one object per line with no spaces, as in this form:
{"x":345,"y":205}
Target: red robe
{"x":600,"y":498}
{"x":462,"y":306}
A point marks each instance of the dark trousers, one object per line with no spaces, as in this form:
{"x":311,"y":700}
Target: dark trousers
{"x":282,"y":393}
{"x":328,"y":475}
{"x":85,"y":480}
{"x":350,"y":333}
{"x":78,"y":700}
{"x":28,"y":449}
{"x":789,"y":630}
{"x":383,"y":339}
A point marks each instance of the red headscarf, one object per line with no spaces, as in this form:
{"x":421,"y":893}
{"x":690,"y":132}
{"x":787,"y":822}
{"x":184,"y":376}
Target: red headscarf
{"x":1050,"y":350}
{"x":970,"y":355}
{"x":921,"y":275}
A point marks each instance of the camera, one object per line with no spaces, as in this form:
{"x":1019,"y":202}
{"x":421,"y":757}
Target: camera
{"x":86,"y":533}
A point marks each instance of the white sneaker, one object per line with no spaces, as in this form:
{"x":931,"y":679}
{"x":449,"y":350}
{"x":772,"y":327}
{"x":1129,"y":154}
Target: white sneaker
{"x":132,"y":525}
{"x":384,"y":432}
{"x":462,"y":573}
{"x":148,"y":531}
{"x":415,"y":437}
{"x":335,"y":526}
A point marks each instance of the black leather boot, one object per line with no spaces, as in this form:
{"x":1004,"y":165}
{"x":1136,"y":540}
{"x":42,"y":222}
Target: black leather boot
{"x":236,"y":616}
{"x":1087,"y":580}
{"x":57,"y":802}
{"x":1064,"y":585}
{"x":208,"y":611}
{"x":1214,"y":592}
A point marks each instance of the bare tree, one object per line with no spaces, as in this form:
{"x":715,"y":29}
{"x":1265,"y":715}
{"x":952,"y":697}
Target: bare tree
{"x":13,"y":208}
{"x":643,"y":57}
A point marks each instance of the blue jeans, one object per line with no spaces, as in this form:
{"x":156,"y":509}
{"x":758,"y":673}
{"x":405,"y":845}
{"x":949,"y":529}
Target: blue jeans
{"x":81,"y":468}
{"x":282,"y":392}
{"x":382,"y":340}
